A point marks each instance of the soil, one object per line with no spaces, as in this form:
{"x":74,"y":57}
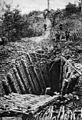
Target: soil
{"x":12,"y":50}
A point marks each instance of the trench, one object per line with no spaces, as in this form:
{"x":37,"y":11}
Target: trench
{"x":31,"y":77}
{"x":26,"y":76}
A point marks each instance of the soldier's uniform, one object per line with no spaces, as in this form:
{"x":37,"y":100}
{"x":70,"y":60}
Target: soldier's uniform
{"x":67,"y":35}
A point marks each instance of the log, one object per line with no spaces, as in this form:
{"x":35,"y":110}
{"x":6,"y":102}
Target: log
{"x":19,"y":81}
{"x":38,"y":72}
{"x":71,"y":65}
{"x":41,"y":83}
{"x":61,"y":74}
{"x":26,"y":70}
{"x":29,"y":105}
{"x":22,"y":79}
{"x":33,"y":75}
{"x":45,"y":75}
{"x":11,"y":83}
{"x":43,"y":72}
{"x":34,"y":79}
{"x":6,"y":87}
{"x":15,"y":81}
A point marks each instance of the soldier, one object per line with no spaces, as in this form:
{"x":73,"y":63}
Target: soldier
{"x":57,"y":35}
{"x":64,"y":87}
{"x":60,"y":27}
{"x":72,"y":83}
{"x":45,"y":27}
{"x":3,"y":40}
{"x":67,"y":35}
{"x":44,"y":14}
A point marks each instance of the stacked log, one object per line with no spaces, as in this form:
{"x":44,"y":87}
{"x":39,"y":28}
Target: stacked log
{"x":22,"y":77}
{"x":2,"y":91}
{"x":24,"y":104}
{"x":21,"y":86}
{"x":29,"y":106}
{"x":44,"y":67}
{"x":30,"y":80}
{"x":38,"y":72}
{"x":11,"y":82}
{"x":6,"y":87}
{"x":14,"y":79}
{"x":33,"y":75}
{"x":27,"y":76}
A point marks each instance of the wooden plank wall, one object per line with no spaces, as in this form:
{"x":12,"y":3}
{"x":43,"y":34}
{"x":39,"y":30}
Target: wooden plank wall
{"x":56,"y":75}
{"x":28,"y":76}
{"x":24,"y":77}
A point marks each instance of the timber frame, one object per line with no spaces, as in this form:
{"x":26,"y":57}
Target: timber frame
{"x":20,"y":98}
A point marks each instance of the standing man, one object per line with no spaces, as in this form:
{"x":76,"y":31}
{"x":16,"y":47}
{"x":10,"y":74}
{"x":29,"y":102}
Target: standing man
{"x":67,"y":35}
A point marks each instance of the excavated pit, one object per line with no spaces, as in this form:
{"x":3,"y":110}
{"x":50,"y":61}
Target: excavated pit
{"x":28,"y":75}
{"x":23,"y":87}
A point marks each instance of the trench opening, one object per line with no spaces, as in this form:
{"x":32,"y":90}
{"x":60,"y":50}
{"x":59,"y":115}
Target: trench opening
{"x":27,"y":78}
{"x":38,"y":84}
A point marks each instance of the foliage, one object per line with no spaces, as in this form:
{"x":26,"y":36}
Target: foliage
{"x":30,"y":32}
{"x":12,"y":24}
{"x":54,"y":15}
{"x":35,"y":13}
{"x":15,"y":25}
{"x":71,"y":8}
{"x":33,"y":24}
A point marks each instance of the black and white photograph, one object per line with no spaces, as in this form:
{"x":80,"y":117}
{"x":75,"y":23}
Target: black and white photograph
{"x":40,"y":59}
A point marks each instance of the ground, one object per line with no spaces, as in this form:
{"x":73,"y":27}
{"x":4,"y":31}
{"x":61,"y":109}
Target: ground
{"x":12,"y":50}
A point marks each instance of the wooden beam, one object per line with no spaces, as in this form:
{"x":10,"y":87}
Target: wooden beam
{"x":71,"y":65}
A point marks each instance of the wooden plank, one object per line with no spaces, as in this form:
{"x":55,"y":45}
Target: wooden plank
{"x":30,"y":105}
{"x":42,"y":72}
{"x":34,"y":79}
{"x":21,"y":86}
{"x":11,"y":82}
{"x":26,"y":70}
{"x":24,"y":75}
{"x":33,"y":75}
{"x":2,"y":91}
{"x":6,"y":87}
{"x":38,"y":70}
{"x":15,"y":80}
{"x":22,"y":79}
{"x":22,"y":104}
{"x":61,"y":75}
{"x":71,"y":65}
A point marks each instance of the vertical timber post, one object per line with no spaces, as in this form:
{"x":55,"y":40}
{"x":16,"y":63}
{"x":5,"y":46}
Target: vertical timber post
{"x":1,"y":118}
{"x":81,"y":7}
{"x":48,"y":4}
{"x":80,"y":3}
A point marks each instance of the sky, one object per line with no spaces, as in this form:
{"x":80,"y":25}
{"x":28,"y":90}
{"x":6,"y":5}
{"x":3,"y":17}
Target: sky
{"x":27,"y":6}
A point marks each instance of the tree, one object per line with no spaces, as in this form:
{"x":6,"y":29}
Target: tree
{"x":12,"y":24}
{"x":70,"y":9}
